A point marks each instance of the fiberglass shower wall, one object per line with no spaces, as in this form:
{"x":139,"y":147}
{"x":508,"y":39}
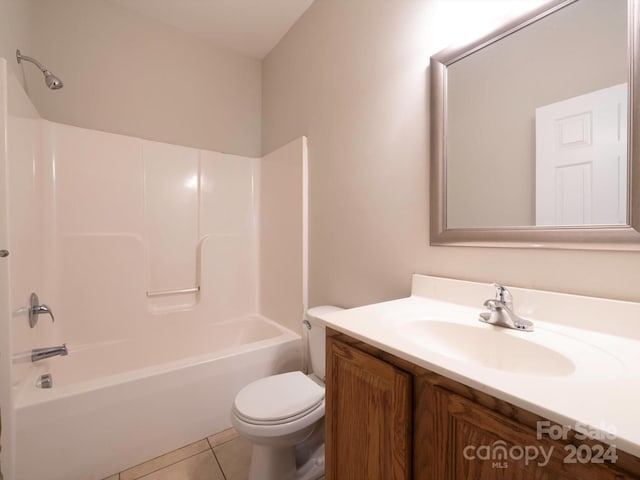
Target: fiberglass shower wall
{"x":20,"y":234}
{"x":142,"y":232}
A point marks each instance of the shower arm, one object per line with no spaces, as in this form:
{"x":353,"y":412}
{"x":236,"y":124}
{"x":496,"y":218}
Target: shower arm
{"x":21,"y":57}
{"x":53,"y":82}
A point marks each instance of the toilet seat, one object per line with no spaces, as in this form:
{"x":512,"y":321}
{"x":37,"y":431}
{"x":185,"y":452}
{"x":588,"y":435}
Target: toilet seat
{"x":278,"y":399}
{"x":280,"y":421}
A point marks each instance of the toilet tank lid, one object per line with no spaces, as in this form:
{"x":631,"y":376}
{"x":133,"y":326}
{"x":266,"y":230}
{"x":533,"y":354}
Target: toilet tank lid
{"x":315,"y":312}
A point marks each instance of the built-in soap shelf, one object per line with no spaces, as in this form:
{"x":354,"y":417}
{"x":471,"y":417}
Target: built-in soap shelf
{"x":179,"y":291}
{"x":172,"y":300}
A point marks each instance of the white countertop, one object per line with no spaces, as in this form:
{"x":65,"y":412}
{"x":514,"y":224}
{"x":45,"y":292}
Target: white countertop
{"x":602,"y":393}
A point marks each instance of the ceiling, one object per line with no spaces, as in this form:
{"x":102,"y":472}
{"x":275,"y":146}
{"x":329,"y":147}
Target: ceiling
{"x":249,"y":27}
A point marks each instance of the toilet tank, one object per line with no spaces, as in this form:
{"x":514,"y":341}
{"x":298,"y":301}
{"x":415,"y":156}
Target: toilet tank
{"x":317,"y":340}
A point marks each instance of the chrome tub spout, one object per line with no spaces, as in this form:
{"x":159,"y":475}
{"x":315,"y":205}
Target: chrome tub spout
{"x":42,"y":353}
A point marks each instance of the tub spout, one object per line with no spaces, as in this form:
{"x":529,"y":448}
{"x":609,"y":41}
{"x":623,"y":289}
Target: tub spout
{"x":42,"y":353}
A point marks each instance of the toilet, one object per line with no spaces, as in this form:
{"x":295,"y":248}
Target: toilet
{"x":283,"y":415}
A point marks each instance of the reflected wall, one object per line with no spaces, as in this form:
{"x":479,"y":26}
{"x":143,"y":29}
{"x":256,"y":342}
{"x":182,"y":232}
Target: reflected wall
{"x":492,"y":98}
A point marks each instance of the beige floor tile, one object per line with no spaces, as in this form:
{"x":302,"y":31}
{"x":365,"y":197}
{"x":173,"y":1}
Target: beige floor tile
{"x":165,"y":460}
{"x":202,"y":466}
{"x":113,"y":477}
{"x":222,"y":437}
{"x":234,"y":457}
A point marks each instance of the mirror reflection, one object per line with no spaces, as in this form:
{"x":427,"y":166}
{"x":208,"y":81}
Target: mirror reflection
{"x":536,"y":124}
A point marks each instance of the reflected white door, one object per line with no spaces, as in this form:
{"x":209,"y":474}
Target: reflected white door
{"x":581,"y":159}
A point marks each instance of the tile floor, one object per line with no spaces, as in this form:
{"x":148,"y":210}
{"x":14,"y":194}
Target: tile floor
{"x":223,"y":456}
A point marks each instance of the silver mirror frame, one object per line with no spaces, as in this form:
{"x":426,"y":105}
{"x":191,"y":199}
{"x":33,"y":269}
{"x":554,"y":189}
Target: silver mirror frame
{"x":608,"y":237}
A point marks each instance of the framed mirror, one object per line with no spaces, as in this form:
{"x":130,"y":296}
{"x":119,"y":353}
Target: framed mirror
{"x":532,"y":132}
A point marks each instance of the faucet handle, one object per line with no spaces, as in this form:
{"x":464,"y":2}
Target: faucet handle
{"x":36,"y":309}
{"x":503,"y":295}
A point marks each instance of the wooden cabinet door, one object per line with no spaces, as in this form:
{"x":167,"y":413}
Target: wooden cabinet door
{"x":462,"y":440}
{"x":368,"y":417}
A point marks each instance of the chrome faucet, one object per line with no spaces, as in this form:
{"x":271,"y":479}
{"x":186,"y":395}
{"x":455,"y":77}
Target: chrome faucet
{"x":42,"y":353}
{"x":501,"y":311}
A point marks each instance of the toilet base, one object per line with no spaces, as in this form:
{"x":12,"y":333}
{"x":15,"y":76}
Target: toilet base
{"x":313,"y":468}
{"x":269,"y":463}
{"x":304,"y":461}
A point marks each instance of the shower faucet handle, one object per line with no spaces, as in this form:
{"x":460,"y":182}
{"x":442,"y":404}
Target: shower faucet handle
{"x":36,"y":309}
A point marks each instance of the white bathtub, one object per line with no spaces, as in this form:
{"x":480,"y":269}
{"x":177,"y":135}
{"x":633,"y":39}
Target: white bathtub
{"x":117,"y":404}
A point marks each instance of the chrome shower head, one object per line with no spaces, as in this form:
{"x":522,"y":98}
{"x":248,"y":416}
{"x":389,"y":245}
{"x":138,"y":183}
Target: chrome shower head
{"x":53,"y":82}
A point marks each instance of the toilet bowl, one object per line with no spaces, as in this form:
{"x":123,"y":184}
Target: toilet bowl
{"x":283,"y":416}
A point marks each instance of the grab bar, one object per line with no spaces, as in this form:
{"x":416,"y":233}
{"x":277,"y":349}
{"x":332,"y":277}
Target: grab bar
{"x":159,"y":293}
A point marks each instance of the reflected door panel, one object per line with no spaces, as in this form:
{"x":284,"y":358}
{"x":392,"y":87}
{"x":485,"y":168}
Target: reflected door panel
{"x":581,"y":159}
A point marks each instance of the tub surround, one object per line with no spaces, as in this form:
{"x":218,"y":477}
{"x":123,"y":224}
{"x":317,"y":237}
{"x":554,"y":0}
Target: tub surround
{"x":598,"y":388}
{"x":165,"y":217}
{"x":283,"y":234}
{"x":20,"y":151}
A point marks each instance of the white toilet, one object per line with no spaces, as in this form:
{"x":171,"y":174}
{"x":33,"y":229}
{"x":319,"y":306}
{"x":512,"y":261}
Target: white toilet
{"x":283,"y":415}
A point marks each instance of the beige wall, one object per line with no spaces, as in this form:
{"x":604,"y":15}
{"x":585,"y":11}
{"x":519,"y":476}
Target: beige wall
{"x":125,"y":73}
{"x":493,"y":95}
{"x":15,"y":30}
{"x":352,"y":76}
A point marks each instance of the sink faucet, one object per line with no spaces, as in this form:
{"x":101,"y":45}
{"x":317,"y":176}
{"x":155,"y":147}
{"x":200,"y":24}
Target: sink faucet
{"x":501,"y":311}
{"x":42,"y":353}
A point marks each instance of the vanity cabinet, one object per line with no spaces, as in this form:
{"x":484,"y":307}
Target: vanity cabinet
{"x":389,"y":419}
{"x":369,"y":429}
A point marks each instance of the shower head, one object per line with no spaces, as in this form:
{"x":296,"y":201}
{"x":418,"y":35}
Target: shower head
{"x":53,"y":82}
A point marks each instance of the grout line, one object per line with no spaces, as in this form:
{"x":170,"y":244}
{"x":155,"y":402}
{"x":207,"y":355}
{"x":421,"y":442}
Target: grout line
{"x":211,"y":447}
{"x":223,"y":443}
{"x":174,"y":463}
{"x":167,"y":453}
{"x":224,"y":475}
{"x":220,"y":444}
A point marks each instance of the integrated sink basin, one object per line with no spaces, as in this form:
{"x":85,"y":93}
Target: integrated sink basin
{"x":540,"y":353}
{"x":488,"y":346}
